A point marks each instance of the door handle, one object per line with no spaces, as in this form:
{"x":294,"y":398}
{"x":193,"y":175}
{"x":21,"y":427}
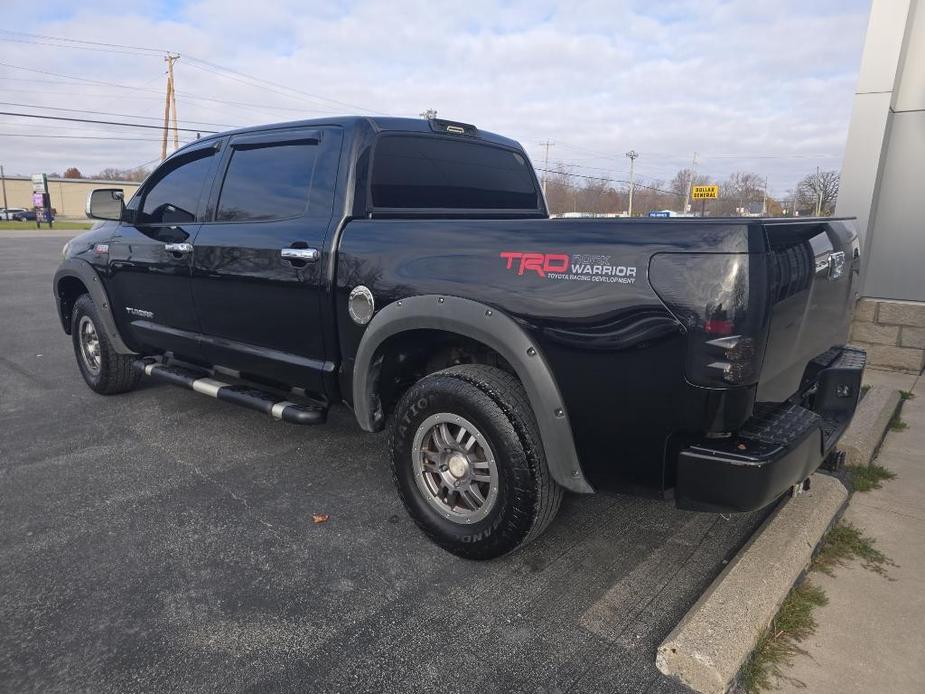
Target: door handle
{"x":308,"y":255}
{"x":178,"y":247}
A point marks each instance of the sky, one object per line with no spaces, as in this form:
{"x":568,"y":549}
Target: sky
{"x":756,"y":85}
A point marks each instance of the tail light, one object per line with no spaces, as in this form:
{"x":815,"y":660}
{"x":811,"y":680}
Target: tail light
{"x":720,"y":299}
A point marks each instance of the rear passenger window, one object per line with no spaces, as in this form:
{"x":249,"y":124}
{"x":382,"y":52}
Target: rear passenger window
{"x":267,"y":182}
{"x":433,"y":172}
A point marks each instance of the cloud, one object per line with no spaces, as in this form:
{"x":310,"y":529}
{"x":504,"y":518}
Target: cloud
{"x":758,"y":84}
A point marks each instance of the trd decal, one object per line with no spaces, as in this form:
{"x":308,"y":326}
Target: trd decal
{"x":540,"y":263}
{"x":561,"y":266}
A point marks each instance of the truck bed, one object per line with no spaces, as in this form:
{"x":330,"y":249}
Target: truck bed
{"x":582,"y":288}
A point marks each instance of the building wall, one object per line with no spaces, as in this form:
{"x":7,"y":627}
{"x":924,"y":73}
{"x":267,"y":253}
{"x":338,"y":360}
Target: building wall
{"x":68,"y":195}
{"x":881,"y":181}
{"x":897,"y":255}
{"x":882,"y":185}
{"x":892,"y":332}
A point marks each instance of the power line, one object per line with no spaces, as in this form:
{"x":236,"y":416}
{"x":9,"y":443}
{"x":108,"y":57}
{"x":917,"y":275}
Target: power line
{"x":157,"y":51}
{"x":571,"y":164}
{"x":700,"y":155}
{"x":82,"y":48}
{"x":102,"y":122}
{"x":282,"y":92}
{"x":109,"y":113}
{"x":288,"y":88}
{"x":186,"y":95}
{"x":283,"y":89}
{"x":608,"y":180}
{"x":83,"y":137}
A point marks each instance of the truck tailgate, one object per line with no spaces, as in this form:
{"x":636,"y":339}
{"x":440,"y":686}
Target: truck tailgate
{"x":813,"y":267}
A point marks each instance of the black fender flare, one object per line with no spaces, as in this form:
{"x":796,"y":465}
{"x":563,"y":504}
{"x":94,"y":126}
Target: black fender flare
{"x":499,"y":332}
{"x":87,"y":274}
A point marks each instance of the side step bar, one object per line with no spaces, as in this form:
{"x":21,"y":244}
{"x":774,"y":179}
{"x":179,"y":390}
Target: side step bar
{"x":246,"y":396}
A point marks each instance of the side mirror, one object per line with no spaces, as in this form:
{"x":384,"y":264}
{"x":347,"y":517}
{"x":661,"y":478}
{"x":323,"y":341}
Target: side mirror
{"x":106,"y":203}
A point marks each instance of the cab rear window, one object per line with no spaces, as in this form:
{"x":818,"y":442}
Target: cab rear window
{"x":414,"y":172}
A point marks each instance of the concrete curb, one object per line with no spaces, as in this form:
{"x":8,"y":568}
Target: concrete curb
{"x":868,"y":426}
{"x":708,"y":647}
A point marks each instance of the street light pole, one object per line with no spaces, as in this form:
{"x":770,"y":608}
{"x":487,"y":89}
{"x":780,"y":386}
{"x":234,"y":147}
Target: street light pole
{"x":688,"y":203}
{"x":818,"y":194}
{"x":547,"y":145}
{"x":632,"y":154}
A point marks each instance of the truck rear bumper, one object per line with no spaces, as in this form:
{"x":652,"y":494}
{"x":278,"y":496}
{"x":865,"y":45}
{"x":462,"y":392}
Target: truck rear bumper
{"x":781,"y":445}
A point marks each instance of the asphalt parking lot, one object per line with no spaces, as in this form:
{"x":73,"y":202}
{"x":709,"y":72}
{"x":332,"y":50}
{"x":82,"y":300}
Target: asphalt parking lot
{"x":162,"y":540}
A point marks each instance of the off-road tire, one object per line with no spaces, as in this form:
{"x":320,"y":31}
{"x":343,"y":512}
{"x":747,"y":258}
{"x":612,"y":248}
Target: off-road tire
{"x":495,"y":402}
{"x":115,"y":374}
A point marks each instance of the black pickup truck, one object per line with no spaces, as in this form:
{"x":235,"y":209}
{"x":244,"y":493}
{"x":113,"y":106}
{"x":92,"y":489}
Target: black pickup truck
{"x":408,"y":269}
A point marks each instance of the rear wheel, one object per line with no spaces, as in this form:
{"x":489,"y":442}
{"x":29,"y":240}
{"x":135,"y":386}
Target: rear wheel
{"x":468,"y":462}
{"x":105,"y":370}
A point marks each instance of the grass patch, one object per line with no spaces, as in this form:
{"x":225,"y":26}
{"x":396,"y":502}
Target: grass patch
{"x":6,"y":225}
{"x":845,"y":543}
{"x":866,"y":477}
{"x":795,"y":622}
{"x":777,"y":646}
{"x":864,"y":389}
{"x":896,"y":422}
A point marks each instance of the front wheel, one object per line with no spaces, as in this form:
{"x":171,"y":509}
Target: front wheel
{"x":105,"y":370}
{"x":468,"y":462}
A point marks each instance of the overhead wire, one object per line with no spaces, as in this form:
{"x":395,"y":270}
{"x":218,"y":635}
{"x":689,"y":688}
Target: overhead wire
{"x":286,"y":90}
{"x":84,"y":137}
{"x":102,"y":122}
{"x":70,"y":40}
{"x":109,"y":113}
{"x":607,"y":180}
{"x":185,"y":95}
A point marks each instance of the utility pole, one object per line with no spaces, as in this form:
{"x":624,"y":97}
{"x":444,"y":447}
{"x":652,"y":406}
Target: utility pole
{"x":764,"y":200}
{"x":547,"y":145}
{"x":3,"y":182}
{"x":632,"y":154}
{"x":688,"y":203}
{"x":170,"y":106}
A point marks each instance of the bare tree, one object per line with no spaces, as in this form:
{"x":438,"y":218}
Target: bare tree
{"x":681,"y":184}
{"x":741,"y":193}
{"x":820,"y":188}
{"x":561,"y":191}
{"x":113,"y":174}
{"x":567,"y":192}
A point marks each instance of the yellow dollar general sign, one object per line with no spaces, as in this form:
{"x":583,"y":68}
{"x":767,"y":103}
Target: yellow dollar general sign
{"x":705,"y":192}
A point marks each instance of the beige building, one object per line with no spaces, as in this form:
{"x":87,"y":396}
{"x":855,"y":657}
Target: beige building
{"x":68,"y":195}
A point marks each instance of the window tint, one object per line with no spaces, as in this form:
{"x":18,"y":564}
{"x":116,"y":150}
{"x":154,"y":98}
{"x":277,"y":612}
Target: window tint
{"x":267,"y":182}
{"x":174,"y":196}
{"x":431,"y":172}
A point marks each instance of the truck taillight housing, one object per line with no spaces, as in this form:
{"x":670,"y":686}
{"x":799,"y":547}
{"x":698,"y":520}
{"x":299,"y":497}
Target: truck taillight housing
{"x":720,"y":300}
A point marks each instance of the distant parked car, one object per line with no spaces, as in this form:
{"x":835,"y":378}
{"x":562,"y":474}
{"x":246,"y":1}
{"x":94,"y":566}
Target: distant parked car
{"x":8,"y":213}
{"x":24,"y":215}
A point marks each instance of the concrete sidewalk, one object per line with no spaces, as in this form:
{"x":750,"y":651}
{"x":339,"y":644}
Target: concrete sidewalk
{"x":871,"y":635}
